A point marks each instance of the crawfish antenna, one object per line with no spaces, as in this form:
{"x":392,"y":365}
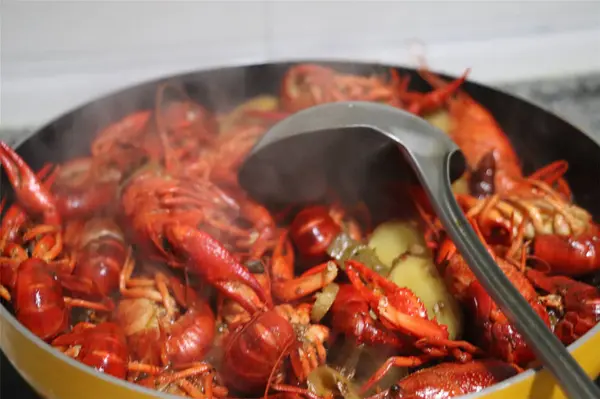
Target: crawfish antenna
{"x":274,"y":369}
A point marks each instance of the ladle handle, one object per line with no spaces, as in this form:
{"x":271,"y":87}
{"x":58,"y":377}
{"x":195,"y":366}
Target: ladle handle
{"x":571,"y":377}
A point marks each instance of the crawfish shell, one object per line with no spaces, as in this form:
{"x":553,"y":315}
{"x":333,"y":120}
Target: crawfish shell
{"x":254,"y":350}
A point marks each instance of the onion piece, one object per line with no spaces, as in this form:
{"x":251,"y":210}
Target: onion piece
{"x":324,"y":302}
{"x":344,"y":248}
{"x":325,"y":382}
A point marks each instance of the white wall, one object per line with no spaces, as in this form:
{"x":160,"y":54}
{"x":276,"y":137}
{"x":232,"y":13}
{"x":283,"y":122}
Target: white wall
{"x":58,"y":54}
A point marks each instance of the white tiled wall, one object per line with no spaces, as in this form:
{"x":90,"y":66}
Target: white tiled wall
{"x":56,"y":54}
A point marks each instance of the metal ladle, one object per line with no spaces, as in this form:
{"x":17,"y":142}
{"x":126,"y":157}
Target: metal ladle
{"x":286,"y":166}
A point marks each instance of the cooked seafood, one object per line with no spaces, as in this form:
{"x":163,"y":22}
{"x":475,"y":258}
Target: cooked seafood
{"x":185,"y":284}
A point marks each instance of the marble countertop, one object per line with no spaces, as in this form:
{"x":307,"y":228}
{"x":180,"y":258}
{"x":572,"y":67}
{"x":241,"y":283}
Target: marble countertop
{"x":576,"y":99}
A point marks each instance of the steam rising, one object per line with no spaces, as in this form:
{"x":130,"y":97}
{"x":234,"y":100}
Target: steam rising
{"x":344,"y":164}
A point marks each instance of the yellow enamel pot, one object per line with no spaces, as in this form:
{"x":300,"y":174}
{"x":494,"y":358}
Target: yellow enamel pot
{"x":540,"y":136}
{"x":56,"y":376}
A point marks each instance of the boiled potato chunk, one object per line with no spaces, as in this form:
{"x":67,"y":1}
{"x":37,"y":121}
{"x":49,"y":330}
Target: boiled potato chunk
{"x":461,"y":185}
{"x":394,"y":238}
{"x":440,"y":119}
{"x":419,"y":273}
{"x":400,"y":245}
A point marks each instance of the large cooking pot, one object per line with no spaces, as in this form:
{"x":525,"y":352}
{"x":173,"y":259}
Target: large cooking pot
{"x":538,"y":136}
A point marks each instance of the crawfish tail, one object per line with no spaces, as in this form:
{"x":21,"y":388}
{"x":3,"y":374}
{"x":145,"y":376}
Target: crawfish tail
{"x":571,"y":256}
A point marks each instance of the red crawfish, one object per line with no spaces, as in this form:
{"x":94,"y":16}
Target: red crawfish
{"x":198,"y":381}
{"x":16,"y":220}
{"x":285,"y":286}
{"x":351,"y":317}
{"x":100,"y":250}
{"x":495,"y":332}
{"x":254,"y":352}
{"x":577,"y":304}
{"x":263,"y":339}
{"x":315,"y":227}
{"x":174,"y":132}
{"x":573,"y":255}
{"x":564,"y":236}
{"x":163,"y":329}
{"x":449,"y":380}
{"x":33,"y":196}
{"x":72,"y":190}
{"x":306,"y":85}
{"x":477,"y":133}
{"x":403,"y":313}
{"x":102,"y":347}
{"x":167,"y":219}
{"x":82,"y":189}
{"x":35,"y":284}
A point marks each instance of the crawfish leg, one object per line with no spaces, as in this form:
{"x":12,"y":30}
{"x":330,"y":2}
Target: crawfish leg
{"x":192,"y":391}
{"x":143,"y":368}
{"x":193,"y":370}
{"x":204,"y":370}
{"x":142,"y":287}
{"x":311,"y":354}
{"x":30,"y":192}
{"x":4,"y":294}
{"x":395,"y":361}
{"x":295,"y":391}
{"x":311,"y":281}
{"x":553,"y":174}
{"x":435,"y":98}
{"x":48,"y":247}
{"x":432,"y":334}
{"x":80,"y":303}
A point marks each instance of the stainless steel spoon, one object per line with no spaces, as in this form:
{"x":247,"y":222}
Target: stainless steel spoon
{"x":286,"y":166}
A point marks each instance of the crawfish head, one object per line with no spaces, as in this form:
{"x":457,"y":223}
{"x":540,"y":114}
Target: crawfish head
{"x":579,"y":304}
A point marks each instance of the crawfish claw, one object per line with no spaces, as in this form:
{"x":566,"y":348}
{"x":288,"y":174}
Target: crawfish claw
{"x":30,"y":192}
{"x":214,"y":263}
{"x":398,"y":308}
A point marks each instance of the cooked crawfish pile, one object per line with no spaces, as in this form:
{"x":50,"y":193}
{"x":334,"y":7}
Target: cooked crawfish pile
{"x":147,"y":261}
